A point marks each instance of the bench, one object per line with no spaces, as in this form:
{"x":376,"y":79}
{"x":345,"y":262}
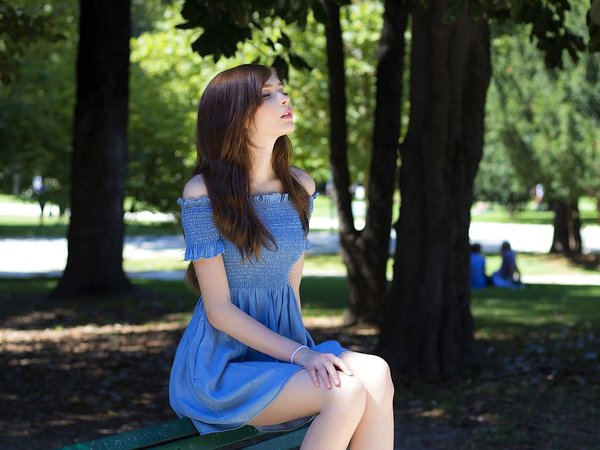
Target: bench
{"x":181,"y":434}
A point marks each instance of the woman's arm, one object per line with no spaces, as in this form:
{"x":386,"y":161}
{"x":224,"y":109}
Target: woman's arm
{"x":228,"y":318}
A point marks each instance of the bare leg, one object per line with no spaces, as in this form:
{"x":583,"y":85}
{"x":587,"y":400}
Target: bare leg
{"x":339,"y":410}
{"x":376,"y":428}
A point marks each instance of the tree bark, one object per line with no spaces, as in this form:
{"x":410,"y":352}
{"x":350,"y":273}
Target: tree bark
{"x":428,"y":328}
{"x":567,"y":228}
{"x":96,"y":230}
{"x":365,"y":253}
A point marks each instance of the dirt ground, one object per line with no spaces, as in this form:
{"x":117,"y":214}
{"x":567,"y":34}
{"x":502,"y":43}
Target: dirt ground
{"x":74,"y":372}
{"x":64,"y":381}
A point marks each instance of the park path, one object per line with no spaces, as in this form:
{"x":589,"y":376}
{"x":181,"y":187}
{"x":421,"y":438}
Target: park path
{"x":26,"y":257}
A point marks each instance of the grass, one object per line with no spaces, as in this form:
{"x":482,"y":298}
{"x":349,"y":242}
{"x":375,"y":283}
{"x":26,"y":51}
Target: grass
{"x":331,"y":264}
{"x":27,"y":226}
{"x":539,"y":381}
{"x":498,"y":312}
{"x":538,"y":385}
{"x":588,"y":213}
{"x":537,"y":309}
{"x":529,"y":264}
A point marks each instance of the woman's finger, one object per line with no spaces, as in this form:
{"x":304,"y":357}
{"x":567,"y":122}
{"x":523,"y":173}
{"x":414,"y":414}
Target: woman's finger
{"x":324,"y":377}
{"x":314,"y":375}
{"x":332,"y":373}
{"x":342,"y":366}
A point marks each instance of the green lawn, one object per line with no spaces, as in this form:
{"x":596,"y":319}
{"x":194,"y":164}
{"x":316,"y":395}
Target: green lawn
{"x":331,"y":264}
{"x":537,"y":310}
{"x":497,"y":311}
{"x":323,"y":208}
{"x":588,"y":213}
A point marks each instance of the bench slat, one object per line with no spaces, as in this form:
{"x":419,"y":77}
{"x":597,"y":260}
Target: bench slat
{"x":140,"y":439}
{"x":181,"y":434}
{"x":212,"y":441}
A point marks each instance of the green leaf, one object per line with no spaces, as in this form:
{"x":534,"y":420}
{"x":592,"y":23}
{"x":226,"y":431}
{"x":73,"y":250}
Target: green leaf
{"x":285,"y":40}
{"x":298,"y":62}
{"x":282,"y":68}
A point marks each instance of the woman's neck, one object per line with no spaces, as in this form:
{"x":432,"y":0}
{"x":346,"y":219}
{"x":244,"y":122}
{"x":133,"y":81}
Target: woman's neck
{"x":263,"y":178}
{"x":262,"y":173}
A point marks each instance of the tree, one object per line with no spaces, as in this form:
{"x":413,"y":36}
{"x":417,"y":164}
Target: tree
{"x":548,"y":123}
{"x":365,"y":252}
{"x":428,"y":328}
{"x":96,"y":228}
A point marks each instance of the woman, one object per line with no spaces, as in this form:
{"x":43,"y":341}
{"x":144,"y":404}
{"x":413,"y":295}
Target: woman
{"x":508,"y":275}
{"x":245,"y":357}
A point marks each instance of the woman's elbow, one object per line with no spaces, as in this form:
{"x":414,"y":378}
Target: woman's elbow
{"x":217,"y":316}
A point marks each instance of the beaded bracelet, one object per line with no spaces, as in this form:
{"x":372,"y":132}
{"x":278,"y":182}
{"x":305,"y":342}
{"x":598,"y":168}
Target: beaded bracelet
{"x":296,"y":351}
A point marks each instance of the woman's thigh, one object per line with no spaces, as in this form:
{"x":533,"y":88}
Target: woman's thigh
{"x":301,"y":398}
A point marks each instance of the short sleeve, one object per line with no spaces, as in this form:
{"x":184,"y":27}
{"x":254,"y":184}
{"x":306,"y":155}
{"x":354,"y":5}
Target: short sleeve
{"x":202,"y":239}
{"x":311,"y":207}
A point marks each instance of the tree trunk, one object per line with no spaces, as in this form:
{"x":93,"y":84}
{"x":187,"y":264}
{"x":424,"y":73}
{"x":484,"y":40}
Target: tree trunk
{"x":95,"y":262}
{"x":567,"y":228}
{"x":428,"y":328}
{"x":365,"y":253}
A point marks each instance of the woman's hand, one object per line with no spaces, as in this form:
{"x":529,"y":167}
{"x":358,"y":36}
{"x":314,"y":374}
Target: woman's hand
{"x":323,"y":366}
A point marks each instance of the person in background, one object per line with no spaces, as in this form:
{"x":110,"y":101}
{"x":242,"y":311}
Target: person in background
{"x":478,"y":277}
{"x":508,"y":275}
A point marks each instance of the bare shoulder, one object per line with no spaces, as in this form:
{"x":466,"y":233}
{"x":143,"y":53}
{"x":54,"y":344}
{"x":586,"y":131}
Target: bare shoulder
{"x":305,"y":179}
{"x":195,"y":188}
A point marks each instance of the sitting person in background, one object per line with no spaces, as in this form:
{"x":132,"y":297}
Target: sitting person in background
{"x":508,"y":275}
{"x":478,"y":277}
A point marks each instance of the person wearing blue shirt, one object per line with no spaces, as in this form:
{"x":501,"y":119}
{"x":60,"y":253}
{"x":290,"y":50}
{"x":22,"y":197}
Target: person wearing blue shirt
{"x":478,"y":277}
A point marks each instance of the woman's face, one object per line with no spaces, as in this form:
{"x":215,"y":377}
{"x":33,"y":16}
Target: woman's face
{"x":274,"y":117}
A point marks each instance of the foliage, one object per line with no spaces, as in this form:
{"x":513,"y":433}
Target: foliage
{"x":20,"y":27}
{"x":547,"y":123}
{"x":36,"y":113}
{"x":230,"y":22}
{"x":167,"y":78}
{"x":549,"y":29}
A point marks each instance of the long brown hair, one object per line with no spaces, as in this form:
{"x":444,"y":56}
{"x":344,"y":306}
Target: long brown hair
{"x":226,"y":110}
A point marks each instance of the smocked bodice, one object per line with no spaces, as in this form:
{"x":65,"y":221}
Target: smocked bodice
{"x":279,"y":216}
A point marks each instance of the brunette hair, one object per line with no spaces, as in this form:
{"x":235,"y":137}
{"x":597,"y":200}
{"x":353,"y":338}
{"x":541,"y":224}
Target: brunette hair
{"x":226,"y":110}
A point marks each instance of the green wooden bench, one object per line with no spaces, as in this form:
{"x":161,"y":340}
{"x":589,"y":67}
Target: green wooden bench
{"x":181,"y":434}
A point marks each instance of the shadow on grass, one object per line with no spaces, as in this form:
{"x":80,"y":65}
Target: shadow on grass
{"x":24,"y":303}
{"x":539,"y":386}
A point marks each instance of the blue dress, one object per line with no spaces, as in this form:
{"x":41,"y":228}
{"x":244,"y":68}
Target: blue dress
{"x":216,"y":381}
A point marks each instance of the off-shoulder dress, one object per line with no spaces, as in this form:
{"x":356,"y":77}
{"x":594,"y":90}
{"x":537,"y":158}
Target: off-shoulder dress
{"x":216,"y":381}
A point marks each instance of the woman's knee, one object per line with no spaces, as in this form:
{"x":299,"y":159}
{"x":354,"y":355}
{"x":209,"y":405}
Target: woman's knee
{"x":383,"y":376}
{"x":374,"y":373}
{"x":351,"y":393}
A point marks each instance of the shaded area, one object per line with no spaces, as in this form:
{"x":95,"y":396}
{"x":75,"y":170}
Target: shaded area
{"x":77,"y":370}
